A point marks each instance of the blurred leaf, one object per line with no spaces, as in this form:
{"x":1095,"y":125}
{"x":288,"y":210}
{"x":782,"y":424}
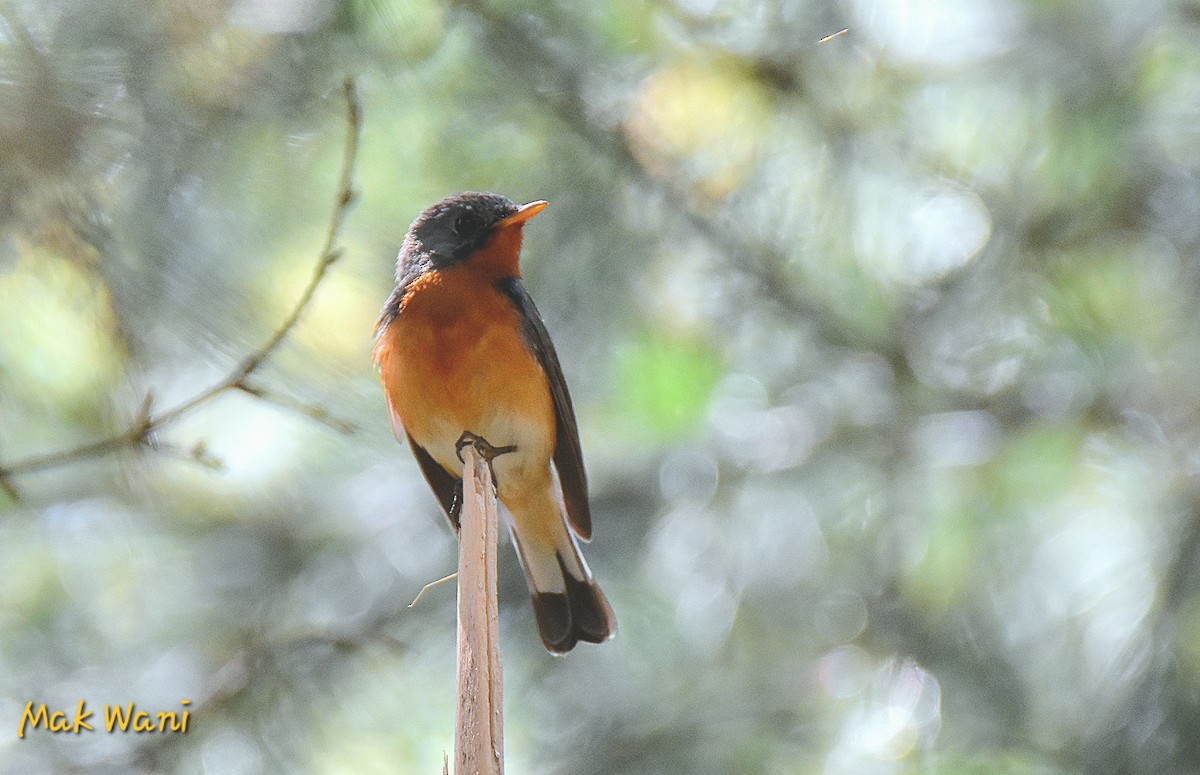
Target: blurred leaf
{"x":407,"y":28}
{"x":943,"y":573}
{"x":708,"y":112}
{"x":1038,"y":464}
{"x":58,"y":349}
{"x":663,"y":384}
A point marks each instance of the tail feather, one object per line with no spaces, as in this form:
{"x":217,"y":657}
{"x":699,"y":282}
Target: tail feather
{"x":580,"y":613}
{"x":566,"y":601}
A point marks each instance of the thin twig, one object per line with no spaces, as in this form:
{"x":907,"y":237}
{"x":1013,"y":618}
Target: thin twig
{"x":329,"y":253}
{"x":197,"y":453}
{"x":430,"y":586}
{"x":136,"y":434}
{"x":147,"y":423}
{"x":312,"y":411}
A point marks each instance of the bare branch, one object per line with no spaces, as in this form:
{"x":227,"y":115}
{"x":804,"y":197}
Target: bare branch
{"x":141,"y":430}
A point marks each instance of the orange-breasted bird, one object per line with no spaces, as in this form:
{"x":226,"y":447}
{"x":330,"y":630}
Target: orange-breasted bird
{"x":461,"y":347}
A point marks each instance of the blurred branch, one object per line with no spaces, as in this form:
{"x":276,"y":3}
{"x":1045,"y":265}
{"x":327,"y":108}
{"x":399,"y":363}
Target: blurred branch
{"x":254,"y":664}
{"x":313,"y":411}
{"x":9,"y":488}
{"x":140,"y":432}
{"x":557,"y":79}
{"x":529,"y":53}
{"x":949,"y":648}
{"x":1153,"y":728}
{"x":1181,"y":573}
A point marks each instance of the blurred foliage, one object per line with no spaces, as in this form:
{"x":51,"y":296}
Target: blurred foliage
{"x":885,"y":353}
{"x":666,"y":386}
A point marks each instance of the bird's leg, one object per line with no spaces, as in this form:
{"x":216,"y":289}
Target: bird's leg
{"x":486,"y":450}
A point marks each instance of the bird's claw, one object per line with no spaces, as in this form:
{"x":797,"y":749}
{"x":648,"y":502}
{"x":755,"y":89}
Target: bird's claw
{"x":486,"y":450}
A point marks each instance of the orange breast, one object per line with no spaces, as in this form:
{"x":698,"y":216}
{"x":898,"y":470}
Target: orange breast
{"x":454,"y":360}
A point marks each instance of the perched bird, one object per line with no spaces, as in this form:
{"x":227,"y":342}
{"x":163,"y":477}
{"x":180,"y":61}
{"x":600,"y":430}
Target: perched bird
{"x":461,"y":347}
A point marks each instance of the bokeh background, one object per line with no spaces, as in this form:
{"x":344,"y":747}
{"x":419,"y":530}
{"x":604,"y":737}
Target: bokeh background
{"x":885,"y":351}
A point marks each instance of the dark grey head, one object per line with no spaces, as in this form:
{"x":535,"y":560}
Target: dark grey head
{"x":453,"y":229}
{"x":449,"y":232}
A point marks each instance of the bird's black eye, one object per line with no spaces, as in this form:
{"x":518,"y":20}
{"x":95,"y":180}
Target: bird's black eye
{"x":466,"y":223}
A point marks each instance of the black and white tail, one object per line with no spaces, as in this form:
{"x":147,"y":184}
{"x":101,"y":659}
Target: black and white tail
{"x":566,"y":599}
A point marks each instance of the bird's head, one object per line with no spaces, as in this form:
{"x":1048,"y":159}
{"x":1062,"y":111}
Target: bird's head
{"x":456,"y":228}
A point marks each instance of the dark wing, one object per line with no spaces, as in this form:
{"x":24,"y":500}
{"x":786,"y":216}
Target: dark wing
{"x":447,"y":488}
{"x":568,"y":457}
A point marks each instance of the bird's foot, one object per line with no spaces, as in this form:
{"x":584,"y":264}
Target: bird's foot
{"x":486,"y":450}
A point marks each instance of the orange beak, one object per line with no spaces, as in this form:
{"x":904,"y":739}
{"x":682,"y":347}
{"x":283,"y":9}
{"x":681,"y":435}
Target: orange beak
{"x":523,"y":214}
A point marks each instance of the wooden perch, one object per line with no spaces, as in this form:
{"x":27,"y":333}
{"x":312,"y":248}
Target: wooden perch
{"x":479,"y":721}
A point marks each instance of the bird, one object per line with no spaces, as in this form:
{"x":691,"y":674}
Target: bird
{"x":462,"y":349}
